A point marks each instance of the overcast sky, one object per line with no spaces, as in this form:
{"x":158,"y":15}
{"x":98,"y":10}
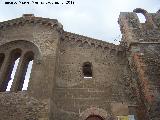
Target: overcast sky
{"x":92,"y":18}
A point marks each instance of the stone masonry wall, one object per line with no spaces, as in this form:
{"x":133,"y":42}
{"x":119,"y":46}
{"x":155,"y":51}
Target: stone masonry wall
{"x":20,"y":106}
{"x":106,"y":90}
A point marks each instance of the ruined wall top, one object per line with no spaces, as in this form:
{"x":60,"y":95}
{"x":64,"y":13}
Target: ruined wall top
{"x":134,"y":31}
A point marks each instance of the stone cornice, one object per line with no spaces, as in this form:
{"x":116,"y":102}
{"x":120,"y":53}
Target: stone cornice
{"x":90,"y":41}
{"x":30,"y":19}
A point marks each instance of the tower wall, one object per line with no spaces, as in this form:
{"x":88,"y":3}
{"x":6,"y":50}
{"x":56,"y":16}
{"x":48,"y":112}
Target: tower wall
{"x":142,"y":41}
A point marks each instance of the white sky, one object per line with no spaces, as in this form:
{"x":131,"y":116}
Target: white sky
{"x":92,"y":18}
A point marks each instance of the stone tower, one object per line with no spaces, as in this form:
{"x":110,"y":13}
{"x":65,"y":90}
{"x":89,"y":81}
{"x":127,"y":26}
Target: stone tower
{"x":142,"y":41}
{"x":75,"y":77}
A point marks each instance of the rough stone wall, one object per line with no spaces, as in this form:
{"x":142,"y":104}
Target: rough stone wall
{"x":146,"y":61}
{"x":21,"y":106}
{"x":108,"y":89}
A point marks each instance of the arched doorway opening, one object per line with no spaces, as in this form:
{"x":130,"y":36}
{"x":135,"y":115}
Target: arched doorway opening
{"x":94,"y":117}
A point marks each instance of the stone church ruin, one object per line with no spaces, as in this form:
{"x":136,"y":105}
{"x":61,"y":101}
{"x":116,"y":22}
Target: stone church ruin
{"x":75,"y":77}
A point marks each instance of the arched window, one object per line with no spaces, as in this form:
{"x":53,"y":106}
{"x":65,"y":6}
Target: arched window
{"x":16,"y":64}
{"x":87,"y":70}
{"x":23,"y":74}
{"x":29,"y":57}
{"x":12,"y":74}
{"x":142,"y":14}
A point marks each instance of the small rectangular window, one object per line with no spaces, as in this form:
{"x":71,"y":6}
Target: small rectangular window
{"x":87,"y":70}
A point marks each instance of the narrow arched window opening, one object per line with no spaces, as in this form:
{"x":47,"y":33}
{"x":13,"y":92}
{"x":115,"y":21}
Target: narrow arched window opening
{"x":12,"y":74}
{"x":141,"y":17}
{"x":2,"y":56}
{"x":27,"y":76}
{"x":87,"y":70}
{"x":26,"y":67}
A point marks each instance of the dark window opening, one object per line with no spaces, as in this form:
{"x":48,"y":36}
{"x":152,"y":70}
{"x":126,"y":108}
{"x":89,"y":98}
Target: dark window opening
{"x":12,"y":75}
{"x":87,"y":70}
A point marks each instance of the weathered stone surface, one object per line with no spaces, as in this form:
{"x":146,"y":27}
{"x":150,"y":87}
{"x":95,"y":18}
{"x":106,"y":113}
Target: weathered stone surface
{"x":21,"y":106}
